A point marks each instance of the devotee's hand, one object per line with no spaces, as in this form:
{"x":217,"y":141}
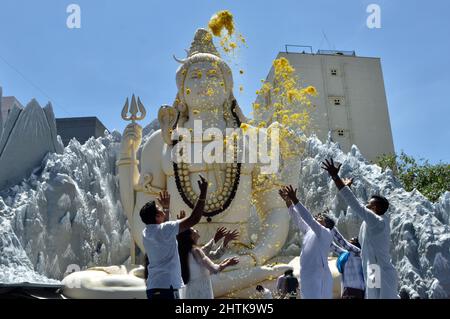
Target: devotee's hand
{"x":220,"y":233}
{"x":292,"y":194}
{"x":203,"y":185}
{"x":348,"y":181}
{"x":285,"y":197}
{"x":182,"y":215}
{"x":233,"y":261}
{"x":229,"y":236}
{"x":164,"y":199}
{"x":330,"y":167}
{"x":228,"y":263}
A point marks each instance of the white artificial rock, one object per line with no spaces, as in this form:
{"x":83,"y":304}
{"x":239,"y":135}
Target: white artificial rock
{"x":67,"y":212}
{"x":28,"y":135}
{"x":71,"y":204}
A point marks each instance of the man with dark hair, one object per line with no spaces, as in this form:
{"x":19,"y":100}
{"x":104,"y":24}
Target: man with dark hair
{"x":375,"y":235}
{"x":291,"y":284}
{"x":287,"y":284}
{"x":160,"y":243}
{"x":315,"y":275}
{"x":349,"y":264}
{"x":281,"y":285}
{"x":325,"y":220}
{"x":381,"y":202}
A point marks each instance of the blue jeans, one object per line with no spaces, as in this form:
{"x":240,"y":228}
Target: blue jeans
{"x":163,"y":294}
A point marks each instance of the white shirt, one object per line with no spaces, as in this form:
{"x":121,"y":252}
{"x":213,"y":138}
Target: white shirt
{"x":375,"y":238}
{"x":352,"y":275}
{"x":266,"y":294}
{"x":315,"y":276}
{"x":160,"y":243}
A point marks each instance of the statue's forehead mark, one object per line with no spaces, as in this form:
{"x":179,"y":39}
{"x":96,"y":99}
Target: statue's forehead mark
{"x":209,"y":69}
{"x":194,"y":69}
{"x":204,"y":65}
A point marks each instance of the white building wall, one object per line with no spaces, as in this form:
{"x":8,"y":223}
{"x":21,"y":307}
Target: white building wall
{"x":357,"y":83}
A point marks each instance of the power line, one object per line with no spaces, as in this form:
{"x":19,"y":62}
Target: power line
{"x":33,"y":84}
{"x":330,"y":47}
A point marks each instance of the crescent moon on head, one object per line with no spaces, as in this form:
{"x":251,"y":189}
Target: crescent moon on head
{"x":179,"y":60}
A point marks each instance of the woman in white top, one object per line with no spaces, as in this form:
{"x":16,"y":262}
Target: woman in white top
{"x":196,"y":267}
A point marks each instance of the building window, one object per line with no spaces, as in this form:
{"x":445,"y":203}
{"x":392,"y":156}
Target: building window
{"x":336,"y":100}
{"x":341,"y":133}
{"x":334,"y":72}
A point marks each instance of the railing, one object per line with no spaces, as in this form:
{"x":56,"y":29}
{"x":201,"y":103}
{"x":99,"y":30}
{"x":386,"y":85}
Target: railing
{"x":324,"y":52}
{"x":299,"y":46}
{"x":337,"y":52}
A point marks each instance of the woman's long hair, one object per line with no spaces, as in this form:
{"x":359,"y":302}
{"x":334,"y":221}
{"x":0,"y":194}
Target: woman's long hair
{"x":146,"y":267}
{"x":185,"y":245}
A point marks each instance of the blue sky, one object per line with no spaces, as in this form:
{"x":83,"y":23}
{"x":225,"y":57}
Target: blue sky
{"x":127,"y":46}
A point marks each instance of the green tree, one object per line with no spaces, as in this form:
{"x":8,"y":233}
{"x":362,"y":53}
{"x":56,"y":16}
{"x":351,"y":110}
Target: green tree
{"x":431,"y":180}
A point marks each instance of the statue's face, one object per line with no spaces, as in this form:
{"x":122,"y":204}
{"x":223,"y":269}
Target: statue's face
{"x":204,"y":87}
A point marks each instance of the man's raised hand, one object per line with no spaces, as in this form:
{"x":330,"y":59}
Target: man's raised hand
{"x":182,"y":215}
{"x":291,"y":194}
{"x":198,"y":210}
{"x":282,"y":192}
{"x":331,"y":168}
{"x":203,"y":185}
{"x":164,"y":199}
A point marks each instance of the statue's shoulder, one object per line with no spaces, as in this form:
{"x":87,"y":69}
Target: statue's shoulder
{"x":155,"y":141}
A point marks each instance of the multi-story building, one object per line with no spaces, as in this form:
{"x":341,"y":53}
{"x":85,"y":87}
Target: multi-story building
{"x":351,"y":101}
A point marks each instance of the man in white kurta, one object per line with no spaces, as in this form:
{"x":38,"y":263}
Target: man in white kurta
{"x":316,"y":281}
{"x":375,"y":237}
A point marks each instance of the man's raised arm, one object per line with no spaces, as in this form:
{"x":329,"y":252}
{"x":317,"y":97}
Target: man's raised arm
{"x":301,"y":210}
{"x":333,"y":171}
{"x":164,"y":201}
{"x":197,"y":212}
{"x":367,"y":215}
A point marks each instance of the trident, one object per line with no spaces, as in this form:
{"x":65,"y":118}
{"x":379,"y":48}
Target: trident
{"x":133,"y":117}
{"x":134,"y":109}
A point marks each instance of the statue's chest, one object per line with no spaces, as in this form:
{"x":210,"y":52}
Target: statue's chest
{"x":226,"y":183}
{"x":200,"y":164}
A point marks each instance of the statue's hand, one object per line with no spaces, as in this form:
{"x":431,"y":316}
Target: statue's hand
{"x":132,"y":137}
{"x":167,"y":116}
